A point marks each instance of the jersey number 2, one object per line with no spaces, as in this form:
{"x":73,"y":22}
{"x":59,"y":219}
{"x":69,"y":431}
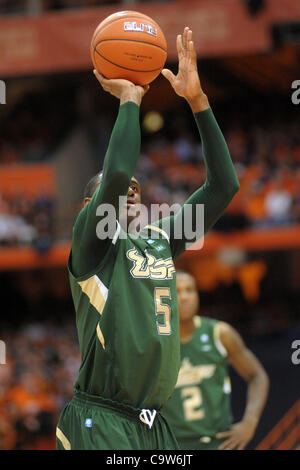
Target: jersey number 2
{"x":192,"y":400}
{"x":162,"y":309}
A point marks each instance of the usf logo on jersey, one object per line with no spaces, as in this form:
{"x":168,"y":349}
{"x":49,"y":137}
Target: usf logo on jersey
{"x":193,"y":375}
{"x":150,"y":267}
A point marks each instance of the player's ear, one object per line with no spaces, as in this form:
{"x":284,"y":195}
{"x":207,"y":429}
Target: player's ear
{"x":86,"y":201}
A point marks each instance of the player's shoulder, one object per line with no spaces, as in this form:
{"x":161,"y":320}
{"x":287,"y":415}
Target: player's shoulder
{"x":211,"y":329}
{"x":225,"y":329}
{"x":220,"y":332}
{"x":79,"y":219}
{"x":206,"y":322}
{"x":227,"y":335}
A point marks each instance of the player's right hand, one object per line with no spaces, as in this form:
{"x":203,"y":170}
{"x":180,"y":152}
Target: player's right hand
{"x":238,"y":436}
{"x":122,"y":89}
{"x":187,"y":82}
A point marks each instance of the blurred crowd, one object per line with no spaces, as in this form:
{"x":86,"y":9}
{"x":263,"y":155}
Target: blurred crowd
{"x":35,"y":122}
{"x":170,"y":168}
{"x":26,"y":221}
{"x":42,"y":362}
{"x":265,"y":150}
{"x":27,"y":139}
{"x":266,"y":159}
{"x":31,"y":131}
{"x":36,"y":7}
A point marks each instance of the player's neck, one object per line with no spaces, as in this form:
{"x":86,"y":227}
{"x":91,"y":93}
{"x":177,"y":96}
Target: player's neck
{"x":186,"y":331}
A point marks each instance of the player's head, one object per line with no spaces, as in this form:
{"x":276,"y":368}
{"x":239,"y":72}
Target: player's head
{"x":187,"y":294}
{"x":130,"y":210}
{"x":91,"y":187}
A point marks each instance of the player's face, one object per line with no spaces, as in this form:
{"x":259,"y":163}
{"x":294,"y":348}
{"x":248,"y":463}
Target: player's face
{"x":131,"y":208}
{"x":187,"y":294}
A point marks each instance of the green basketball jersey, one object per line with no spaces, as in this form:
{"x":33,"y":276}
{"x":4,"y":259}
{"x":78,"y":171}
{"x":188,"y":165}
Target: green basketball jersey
{"x":126,"y":307}
{"x":127,"y":321}
{"x":200,"y":405}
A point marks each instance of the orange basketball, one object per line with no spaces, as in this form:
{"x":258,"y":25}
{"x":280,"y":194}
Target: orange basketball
{"x":129,"y":45}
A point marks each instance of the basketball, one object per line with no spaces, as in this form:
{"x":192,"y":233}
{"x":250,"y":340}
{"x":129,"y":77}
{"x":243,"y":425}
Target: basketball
{"x":129,"y":45}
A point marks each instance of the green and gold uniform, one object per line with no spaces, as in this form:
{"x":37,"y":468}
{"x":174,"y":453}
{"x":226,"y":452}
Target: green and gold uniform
{"x":124,"y":293}
{"x":200,"y":405}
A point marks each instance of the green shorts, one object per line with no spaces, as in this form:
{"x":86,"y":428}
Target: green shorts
{"x":203,"y":443}
{"x":90,"y":422}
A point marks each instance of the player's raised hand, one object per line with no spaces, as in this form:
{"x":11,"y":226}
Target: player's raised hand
{"x":187,"y":82}
{"x":122,"y":89}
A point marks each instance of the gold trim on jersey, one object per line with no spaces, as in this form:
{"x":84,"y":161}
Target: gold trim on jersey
{"x":159,"y":230}
{"x":97,"y":293}
{"x":197,"y":321}
{"x":220,"y":347}
{"x":100,"y":335}
{"x":65,"y":442}
{"x":117,"y":233}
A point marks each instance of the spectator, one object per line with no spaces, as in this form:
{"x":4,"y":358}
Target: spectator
{"x":35,"y":384}
{"x":278,"y":204}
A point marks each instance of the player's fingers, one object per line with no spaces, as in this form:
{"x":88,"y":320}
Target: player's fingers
{"x":97,"y":75}
{"x":241,"y":446}
{"x":192,"y":52}
{"x":224,"y":444}
{"x":103,"y":82}
{"x":168,"y":75}
{"x":146,"y":88}
{"x":230,"y":444}
{"x":221,"y":435}
{"x":179,"y":46}
{"x":185,"y":39}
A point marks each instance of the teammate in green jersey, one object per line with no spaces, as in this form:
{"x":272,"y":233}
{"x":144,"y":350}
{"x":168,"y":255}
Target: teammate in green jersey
{"x":124,"y":287}
{"x":199,"y":411}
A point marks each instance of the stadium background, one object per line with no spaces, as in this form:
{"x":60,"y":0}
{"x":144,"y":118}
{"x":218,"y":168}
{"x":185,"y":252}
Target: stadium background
{"x":54,"y":129}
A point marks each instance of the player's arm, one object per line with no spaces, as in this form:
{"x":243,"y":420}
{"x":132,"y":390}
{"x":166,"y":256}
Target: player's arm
{"x":221,"y":180}
{"x":119,"y":165}
{"x":250,"y":369}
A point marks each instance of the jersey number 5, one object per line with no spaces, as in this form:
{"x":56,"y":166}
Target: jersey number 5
{"x":192,"y":401}
{"x":162,"y":309}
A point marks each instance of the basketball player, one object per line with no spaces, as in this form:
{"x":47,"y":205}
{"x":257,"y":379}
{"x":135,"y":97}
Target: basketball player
{"x":199,"y":410}
{"x":124,"y":288}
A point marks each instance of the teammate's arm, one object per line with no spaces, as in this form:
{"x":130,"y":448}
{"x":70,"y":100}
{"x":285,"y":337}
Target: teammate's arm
{"x":221,"y":180}
{"x":249,"y":368}
{"x":119,"y":165}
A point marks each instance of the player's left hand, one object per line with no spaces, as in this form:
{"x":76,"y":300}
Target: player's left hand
{"x":187,"y":82}
{"x":238,"y":436}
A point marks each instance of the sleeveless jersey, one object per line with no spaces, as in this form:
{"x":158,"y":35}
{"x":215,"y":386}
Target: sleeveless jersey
{"x":200,"y":404}
{"x":127,"y":321}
